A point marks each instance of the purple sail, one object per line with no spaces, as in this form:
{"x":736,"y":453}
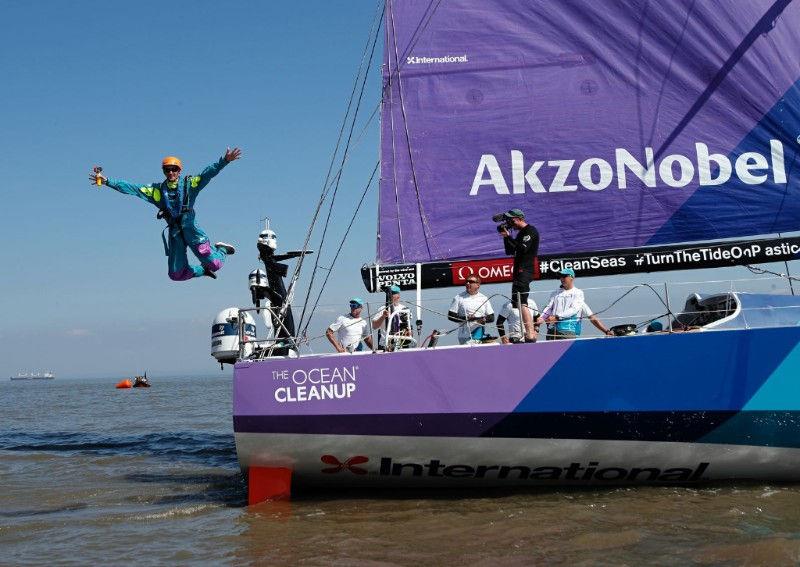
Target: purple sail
{"x":611,"y":124}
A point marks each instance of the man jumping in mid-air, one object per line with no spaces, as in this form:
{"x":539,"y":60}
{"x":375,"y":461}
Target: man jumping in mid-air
{"x":175,"y":197}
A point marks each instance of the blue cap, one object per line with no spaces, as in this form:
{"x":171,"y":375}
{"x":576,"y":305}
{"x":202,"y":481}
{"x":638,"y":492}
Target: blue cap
{"x":357,"y":301}
{"x":567,"y":272}
{"x":395,"y":289}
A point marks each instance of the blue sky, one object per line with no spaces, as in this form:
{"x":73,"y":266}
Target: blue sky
{"x":84,"y":284}
{"x":85,"y":290}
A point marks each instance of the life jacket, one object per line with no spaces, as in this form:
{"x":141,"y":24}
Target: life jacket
{"x":569,"y":325}
{"x":171,"y":210}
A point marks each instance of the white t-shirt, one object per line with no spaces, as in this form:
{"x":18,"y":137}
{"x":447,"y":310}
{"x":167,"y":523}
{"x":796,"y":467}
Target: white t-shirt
{"x":397,"y":321}
{"x":465,"y":305}
{"x":350,"y":331}
{"x":565,"y":303}
{"x":513,"y":319}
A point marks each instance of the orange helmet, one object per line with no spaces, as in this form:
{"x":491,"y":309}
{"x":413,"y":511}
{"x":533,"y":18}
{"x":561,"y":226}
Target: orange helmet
{"x":171,"y":160}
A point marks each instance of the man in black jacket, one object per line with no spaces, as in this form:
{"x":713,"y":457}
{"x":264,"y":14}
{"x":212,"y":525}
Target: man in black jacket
{"x":524,"y":247}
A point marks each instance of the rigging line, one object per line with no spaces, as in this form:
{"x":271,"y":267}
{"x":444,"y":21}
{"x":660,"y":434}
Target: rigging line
{"x":786,"y":264}
{"x":668,"y":72}
{"x":338,"y":180}
{"x":638,"y":72}
{"x":349,"y":153}
{"x":422,"y":215}
{"x":421,"y":26}
{"x":394,"y":153}
{"x":786,"y":191}
{"x":424,"y":21}
{"x":341,"y":245}
{"x":756,"y":270}
{"x":762,"y":26}
{"x":414,"y":39}
{"x":295,"y":275}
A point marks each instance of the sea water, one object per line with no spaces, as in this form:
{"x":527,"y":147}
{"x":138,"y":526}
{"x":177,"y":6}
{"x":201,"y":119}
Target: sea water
{"x":91,"y":474}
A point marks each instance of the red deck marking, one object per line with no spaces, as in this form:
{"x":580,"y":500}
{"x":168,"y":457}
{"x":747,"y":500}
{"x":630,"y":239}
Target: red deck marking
{"x":268,"y":483}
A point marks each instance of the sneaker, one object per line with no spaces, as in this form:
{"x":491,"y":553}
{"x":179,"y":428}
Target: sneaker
{"x":207,"y":272}
{"x":227,"y":247}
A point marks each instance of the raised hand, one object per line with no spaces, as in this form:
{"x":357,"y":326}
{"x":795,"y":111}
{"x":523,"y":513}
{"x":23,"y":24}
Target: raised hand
{"x":232,"y":154}
{"x":95,"y":175}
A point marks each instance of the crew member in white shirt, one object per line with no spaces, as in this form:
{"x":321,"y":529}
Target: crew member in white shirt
{"x":566,"y":309}
{"x":472,"y":309}
{"x":350,"y":330}
{"x":395,"y":319}
{"x":510,"y":315}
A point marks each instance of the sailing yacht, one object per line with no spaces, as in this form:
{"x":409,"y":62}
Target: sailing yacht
{"x":638,"y":137}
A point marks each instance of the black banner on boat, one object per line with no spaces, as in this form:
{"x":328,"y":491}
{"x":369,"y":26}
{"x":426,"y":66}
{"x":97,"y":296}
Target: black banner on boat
{"x":613,"y":262}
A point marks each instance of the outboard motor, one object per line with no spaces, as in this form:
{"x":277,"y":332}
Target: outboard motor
{"x":225,"y":335}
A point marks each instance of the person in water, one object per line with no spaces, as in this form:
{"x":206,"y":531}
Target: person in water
{"x":174,"y":197}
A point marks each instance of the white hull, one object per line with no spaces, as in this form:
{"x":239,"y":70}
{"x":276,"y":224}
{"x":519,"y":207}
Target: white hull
{"x":455,"y":461}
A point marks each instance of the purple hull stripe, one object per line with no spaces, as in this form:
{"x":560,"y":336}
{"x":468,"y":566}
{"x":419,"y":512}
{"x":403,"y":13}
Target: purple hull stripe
{"x":447,"y":380}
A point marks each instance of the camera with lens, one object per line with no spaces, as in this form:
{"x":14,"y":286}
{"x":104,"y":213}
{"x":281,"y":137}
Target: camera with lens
{"x":503,"y":220}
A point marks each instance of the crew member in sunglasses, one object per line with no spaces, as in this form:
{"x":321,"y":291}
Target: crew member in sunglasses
{"x":175,"y":197}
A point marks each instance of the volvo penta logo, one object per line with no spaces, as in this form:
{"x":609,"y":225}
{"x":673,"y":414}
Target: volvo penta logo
{"x":349,"y":464}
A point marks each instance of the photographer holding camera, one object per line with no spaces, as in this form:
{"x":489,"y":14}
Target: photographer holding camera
{"x":524,"y":247}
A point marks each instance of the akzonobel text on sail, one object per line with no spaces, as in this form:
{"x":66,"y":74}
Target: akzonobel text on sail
{"x":596,"y":174}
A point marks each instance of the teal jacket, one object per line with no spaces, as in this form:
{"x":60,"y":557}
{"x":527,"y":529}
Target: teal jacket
{"x":167,"y":196}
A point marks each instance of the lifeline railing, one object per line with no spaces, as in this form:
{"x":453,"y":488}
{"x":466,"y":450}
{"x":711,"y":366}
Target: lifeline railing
{"x":293,"y":345}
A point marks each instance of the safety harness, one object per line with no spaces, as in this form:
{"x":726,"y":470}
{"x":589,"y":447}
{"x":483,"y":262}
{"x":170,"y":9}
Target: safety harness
{"x":172,"y":212}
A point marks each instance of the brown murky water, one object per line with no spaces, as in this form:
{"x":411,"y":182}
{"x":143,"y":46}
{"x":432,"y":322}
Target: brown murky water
{"x":90,"y":474}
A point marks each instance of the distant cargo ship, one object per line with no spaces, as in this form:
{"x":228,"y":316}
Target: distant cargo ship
{"x":48,"y":375}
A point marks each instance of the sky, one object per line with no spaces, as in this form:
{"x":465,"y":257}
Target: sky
{"x":84,"y":282}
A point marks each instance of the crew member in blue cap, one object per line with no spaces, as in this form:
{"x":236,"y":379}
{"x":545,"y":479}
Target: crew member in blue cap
{"x":393,"y":320}
{"x":350,"y":329}
{"x":524,"y":247}
{"x":567,"y":308}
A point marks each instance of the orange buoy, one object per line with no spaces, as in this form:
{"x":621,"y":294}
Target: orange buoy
{"x":124,"y":384}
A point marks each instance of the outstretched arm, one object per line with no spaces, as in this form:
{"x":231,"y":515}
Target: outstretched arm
{"x":200,"y":181}
{"x":145,"y":192}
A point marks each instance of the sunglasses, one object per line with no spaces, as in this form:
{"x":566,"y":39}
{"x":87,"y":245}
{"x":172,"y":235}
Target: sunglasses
{"x":472,"y":282}
{"x":171,"y":169}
